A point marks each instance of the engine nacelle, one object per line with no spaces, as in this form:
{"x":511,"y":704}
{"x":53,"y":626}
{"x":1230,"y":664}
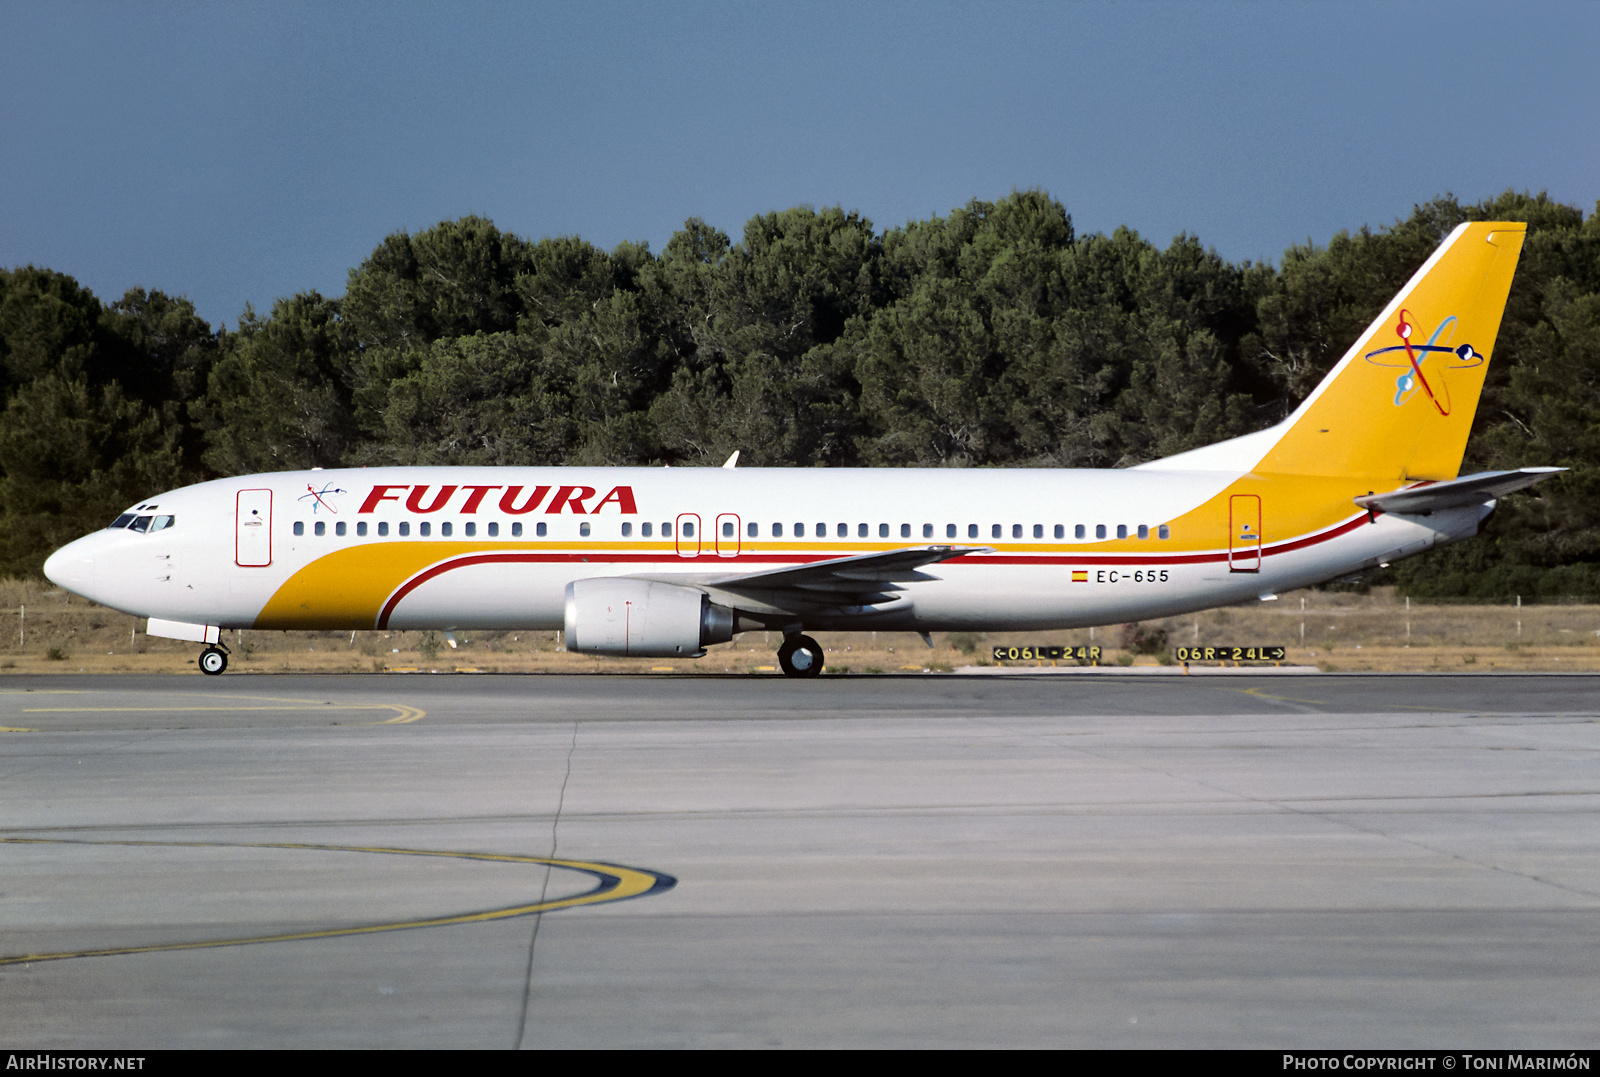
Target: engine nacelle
{"x":643,"y":619}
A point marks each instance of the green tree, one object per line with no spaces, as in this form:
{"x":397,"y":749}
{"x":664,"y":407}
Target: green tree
{"x":280,"y":395}
{"x":491,"y":398}
{"x":755,"y":316}
{"x":49,"y":324}
{"x":72,"y":456}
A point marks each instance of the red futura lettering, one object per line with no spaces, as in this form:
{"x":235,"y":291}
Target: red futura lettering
{"x":508,"y":500}
{"x":380,"y":493}
{"x":569,"y":495}
{"x":620,"y":496}
{"x":475,"y":498}
{"x":414,"y":502}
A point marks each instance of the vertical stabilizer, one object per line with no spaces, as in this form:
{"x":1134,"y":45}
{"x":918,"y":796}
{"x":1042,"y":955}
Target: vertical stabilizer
{"x":1400,"y":404}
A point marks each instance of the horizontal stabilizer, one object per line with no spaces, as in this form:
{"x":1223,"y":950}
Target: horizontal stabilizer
{"x":1457,"y":493}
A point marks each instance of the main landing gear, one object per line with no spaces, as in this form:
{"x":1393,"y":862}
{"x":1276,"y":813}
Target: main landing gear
{"x":800,"y":656}
{"x":213,"y":660}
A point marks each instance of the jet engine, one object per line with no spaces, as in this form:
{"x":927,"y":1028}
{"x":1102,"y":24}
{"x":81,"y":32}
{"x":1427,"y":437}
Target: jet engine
{"x":643,"y":619}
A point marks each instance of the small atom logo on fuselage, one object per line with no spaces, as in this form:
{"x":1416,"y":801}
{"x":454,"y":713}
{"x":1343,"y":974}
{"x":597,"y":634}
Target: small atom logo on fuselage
{"x":1418,"y":360}
{"x":318,"y":497}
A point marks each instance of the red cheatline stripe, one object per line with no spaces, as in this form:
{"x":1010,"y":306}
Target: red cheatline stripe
{"x":804,"y":559}
{"x":460,"y":562}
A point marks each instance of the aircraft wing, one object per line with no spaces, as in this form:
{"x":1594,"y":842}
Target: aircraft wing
{"x":1457,"y":493}
{"x":855,"y":584}
{"x":850,"y":575}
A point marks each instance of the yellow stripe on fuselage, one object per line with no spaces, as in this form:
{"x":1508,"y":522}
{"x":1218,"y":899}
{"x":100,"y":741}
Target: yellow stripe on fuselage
{"x":347,"y":587}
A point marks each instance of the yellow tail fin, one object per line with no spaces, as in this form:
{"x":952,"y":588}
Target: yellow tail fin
{"x":1400,"y":403}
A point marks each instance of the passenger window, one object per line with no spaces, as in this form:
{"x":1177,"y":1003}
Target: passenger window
{"x":666,"y":530}
{"x":494,"y":530}
{"x":627,"y":529}
{"x":727,"y":528}
{"x":405,"y":528}
{"x":883,"y":530}
{"x":863,"y":531}
{"x":444,"y":530}
{"x":995,"y":532}
{"x":688,"y":529}
{"x":1077,"y":532}
{"x":299,"y":526}
{"x":949,"y":530}
{"x":383,"y":529}
{"x":424,"y":529}
{"x":752,"y":529}
{"x":583,"y":529}
{"x":1122,"y":531}
{"x":927,"y":530}
{"x":320,"y":528}
{"x":1061,"y":531}
{"x":516,"y":529}
{"x":1164,"y":531}
{"x":361,"y":529}
{"x":799,"y":530}
{"x":645,"y":529}
{"x":905,"y":530}
{"x":338,"y":529}
{"x":777,"y":530}
{"x":972,"y":531}
{"x":1038,"y":531}
{"x":1144,"y":531}
{"x":470,"y":529}
{"x":1099,"y":531}
{"x":540,"y":530}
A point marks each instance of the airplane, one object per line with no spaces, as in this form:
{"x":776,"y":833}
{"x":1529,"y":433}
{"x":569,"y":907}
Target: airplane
{"x":663,"y":562}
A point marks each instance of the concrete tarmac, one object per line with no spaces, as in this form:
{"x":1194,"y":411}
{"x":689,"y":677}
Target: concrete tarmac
{"x":492,"y":861}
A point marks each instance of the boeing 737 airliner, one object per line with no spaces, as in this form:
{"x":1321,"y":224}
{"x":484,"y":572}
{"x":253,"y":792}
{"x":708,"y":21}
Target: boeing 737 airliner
{"x":662,"y":562}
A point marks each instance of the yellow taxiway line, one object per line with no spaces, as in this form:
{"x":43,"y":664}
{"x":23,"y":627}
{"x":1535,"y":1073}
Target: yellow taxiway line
{"x":615,"y":883}
{"x":404,"y":713}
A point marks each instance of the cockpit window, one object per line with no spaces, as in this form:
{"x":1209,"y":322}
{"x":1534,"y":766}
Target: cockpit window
{"x":144,"y":523}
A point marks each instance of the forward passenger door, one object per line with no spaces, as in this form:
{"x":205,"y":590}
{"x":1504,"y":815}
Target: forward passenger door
{"x":252,"y":543}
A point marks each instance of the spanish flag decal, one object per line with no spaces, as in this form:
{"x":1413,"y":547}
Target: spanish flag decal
{"x":1080,"y":575}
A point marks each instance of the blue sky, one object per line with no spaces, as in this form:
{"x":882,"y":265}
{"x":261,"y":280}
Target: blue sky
{"x":239,"y":152}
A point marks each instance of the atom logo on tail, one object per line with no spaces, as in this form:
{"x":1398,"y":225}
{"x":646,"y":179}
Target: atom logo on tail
{"x":1418,"y":360}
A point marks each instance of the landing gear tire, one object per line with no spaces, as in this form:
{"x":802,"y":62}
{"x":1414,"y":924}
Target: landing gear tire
{"x":800,"y":656}
{"x":213,"y":661}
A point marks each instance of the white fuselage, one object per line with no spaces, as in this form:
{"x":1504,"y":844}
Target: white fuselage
{"x":396,"y":548}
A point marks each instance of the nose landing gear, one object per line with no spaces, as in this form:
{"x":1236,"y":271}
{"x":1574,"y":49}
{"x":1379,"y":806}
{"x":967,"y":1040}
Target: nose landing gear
{"x":800,"y":656}
{"x":213,"y":660}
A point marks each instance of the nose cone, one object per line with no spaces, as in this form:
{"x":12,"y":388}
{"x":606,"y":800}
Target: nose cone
{"x":72,"y":567}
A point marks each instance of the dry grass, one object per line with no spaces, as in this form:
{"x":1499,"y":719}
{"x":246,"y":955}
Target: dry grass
{"x":62,"y":633}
